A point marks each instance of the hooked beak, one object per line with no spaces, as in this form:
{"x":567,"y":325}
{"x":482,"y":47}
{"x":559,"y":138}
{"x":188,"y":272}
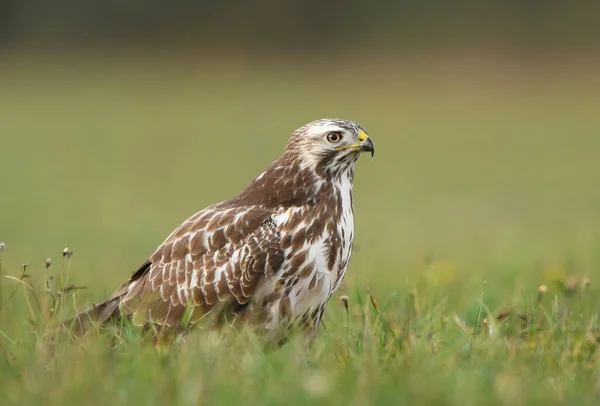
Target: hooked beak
{"x":366,"y":145}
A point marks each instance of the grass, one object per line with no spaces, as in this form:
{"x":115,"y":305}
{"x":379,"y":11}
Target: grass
{"x":475,"y":276}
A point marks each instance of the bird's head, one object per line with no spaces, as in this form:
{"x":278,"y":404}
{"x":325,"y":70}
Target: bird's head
{"x":326,"y":149}
{"x":330,"y":145}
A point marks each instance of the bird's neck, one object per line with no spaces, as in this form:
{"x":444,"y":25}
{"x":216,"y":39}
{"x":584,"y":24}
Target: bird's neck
{"x":286,"y":183}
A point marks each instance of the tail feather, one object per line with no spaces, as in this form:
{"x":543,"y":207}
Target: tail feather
{"x":96,"y":314}
{"x":110,"y":309}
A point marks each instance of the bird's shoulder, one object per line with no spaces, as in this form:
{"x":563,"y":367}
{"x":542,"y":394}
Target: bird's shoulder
{"x":211,"y":229}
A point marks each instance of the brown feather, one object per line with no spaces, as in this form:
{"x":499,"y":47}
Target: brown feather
{"x":279,"y":237}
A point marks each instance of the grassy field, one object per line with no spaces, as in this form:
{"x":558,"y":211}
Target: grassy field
{"x":477,"y":226}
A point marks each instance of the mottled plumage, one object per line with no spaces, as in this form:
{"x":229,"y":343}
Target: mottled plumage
{"x":273,"y":255}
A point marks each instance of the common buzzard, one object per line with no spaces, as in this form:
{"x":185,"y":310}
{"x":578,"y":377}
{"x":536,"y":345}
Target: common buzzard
{"x":274,"y":254}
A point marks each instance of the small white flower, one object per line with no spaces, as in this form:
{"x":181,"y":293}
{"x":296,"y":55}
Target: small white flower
{"x":67,"y":252}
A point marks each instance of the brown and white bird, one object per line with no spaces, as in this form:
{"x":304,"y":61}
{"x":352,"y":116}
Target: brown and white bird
{"x":274,"y":254}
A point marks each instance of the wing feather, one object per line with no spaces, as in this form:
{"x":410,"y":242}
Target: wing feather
{"x":215,"y":258}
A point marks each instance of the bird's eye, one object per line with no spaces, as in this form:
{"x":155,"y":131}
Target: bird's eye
{"x":334,"y":137}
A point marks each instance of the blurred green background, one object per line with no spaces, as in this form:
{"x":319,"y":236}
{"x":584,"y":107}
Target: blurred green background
{"x":119,"y":120}
{"x":275,"y":25}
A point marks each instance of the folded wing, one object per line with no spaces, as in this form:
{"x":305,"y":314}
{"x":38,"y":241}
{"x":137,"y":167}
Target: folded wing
{"x":220,"y":256}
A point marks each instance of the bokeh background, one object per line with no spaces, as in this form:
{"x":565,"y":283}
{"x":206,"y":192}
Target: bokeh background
{"x":118,"y":120}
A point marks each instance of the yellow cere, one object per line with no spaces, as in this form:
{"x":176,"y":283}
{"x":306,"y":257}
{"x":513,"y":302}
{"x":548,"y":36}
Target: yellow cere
{"x":362,"y":136}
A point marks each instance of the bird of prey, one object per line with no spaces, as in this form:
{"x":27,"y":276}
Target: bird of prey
{"x":274,"y":254}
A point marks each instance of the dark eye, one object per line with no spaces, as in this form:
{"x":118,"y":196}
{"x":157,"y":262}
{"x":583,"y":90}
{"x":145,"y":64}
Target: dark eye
{"x":334,"y":137}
